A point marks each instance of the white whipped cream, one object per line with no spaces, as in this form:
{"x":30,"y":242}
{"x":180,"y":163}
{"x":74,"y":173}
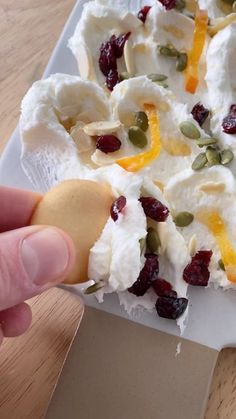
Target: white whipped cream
{"x":221,"y":82}
{"x":194,"y":191}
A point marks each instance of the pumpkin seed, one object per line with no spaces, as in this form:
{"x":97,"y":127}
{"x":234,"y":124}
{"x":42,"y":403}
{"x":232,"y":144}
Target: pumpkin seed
{"x":95,"y":287}
{"x":234,"y":7}
{"x":199,"y":162}
{"x":137,"y":137}
{"x":182,"y":61}
{"x":202,"y":142}
{"x":142,"y":243}
{"x":180,"y":5}
{"x":157,"y":77}
{"x":162,"y":83}
{"x":221,"y":264}
{"x":153,"y":240}
{"x":183,"y":219}
{"x":125,"y":75}
{"x":168,"y":50}
{"x":226,"y":156}
{"x":141,"y":120}
{"x":213,"y":156}
{"x":189,"y":130}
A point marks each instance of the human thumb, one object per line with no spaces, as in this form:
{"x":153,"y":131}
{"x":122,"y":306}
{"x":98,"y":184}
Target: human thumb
{"x":32,"y":259}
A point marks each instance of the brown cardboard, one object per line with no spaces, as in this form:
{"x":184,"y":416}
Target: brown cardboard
{"x":118,"y":369}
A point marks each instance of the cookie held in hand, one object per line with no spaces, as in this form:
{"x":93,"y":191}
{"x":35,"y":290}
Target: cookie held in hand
{"x":81,"y":208}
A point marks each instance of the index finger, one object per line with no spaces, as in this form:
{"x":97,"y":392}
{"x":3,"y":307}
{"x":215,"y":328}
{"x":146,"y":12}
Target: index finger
{"x":17,"y":206}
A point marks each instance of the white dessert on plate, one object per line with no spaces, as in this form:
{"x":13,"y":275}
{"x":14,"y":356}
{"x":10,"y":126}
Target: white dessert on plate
{"x":153,"y":115}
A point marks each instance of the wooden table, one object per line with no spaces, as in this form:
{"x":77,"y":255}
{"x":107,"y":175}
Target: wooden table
{"x":28,"y":32}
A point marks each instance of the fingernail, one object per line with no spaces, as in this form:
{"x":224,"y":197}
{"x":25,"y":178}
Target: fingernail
{"x":45,"y":256}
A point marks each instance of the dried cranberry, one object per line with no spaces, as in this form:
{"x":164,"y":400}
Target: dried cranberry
{"x":163,"y":288}
{"x":142,"y":14}
{"x":200,"y":113}
{"x":171,"y":307}
{"x":229,"y":122}
{"x":117,"y":206}
{"x":197,"y":272}
{"x":107,"y":58}
{"x":112,"y":79}
{"x":108,"y":143}
{"x":148,"y":274}
{"x":154,"y":208}
{"x":118,"y":43}
{"x":168,"y":4}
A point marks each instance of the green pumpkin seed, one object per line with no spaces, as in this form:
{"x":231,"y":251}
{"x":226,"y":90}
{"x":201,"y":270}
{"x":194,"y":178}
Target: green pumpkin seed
{"x":221,"y":264}
{"x":199,"y":162}
{"x":153,"y":240}
{"x":180,"y":5}
{"x":213,"y":156}
{"x":142,"y":243}
{"x":137,"y":137}
{"x":95,"y":287}
{"x":182,"y":61}
{"x":125,"y":75}
{"x":226,"y":156}
{"x":141,"y":120}
{"x":168,"y":50}
{"x":157,"y":77}
{"x":234,"y":7}
{"x":202,"y":142}
{"x":162,"y":83}
{"x":189,"y":130}
{"x":183,"y":219}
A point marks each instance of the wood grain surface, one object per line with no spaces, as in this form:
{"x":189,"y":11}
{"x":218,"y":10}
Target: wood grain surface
{"x":28,"y":32}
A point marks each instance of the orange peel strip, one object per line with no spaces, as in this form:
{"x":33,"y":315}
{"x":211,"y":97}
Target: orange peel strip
{"x":194,"y":55}
{"x":216,"y":225}
{"x":138,"y":161}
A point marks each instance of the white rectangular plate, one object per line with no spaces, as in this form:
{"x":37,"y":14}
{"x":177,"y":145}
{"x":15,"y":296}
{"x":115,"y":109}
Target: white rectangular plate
{"x":212,"y":313}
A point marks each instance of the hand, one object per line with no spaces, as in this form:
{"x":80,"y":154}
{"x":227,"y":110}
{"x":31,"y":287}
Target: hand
{"x":32,"y":259}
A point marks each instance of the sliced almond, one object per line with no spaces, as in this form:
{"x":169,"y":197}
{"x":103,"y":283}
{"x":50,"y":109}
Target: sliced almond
{"x":159,"y":184}
{"x":129,"y":57}
{"x":192,"y":245}
{"x":163,"y":106}
{"x":84,"y":62}
{"x":212,"y":187}
{"x":140,"y":48}
{"x":83,"y":141}
{"x":221,"y":23}
{"x":102,"y":159}
{"x":131,"y":21}
{"x":173,"y":30}
{"x":102,"y":127}
{"x":175,"y":147}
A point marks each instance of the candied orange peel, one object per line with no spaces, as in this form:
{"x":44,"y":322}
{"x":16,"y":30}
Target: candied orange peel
{"x":138,"y":161}
{"x":214,"y":222}
{"x":194,"y":55}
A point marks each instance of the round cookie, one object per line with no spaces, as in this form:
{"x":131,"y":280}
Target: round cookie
{"x":80,"y":208}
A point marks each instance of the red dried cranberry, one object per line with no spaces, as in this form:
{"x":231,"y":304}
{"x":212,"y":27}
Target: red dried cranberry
{"x":162,"y":287}
{"x":168,"y":4}
{"x":108,"y":143}
{"x":112,"y":79}
{"x":229,"y":122}
{"x":118,"y":43}
{"x":148,"y":274}
{"x":107,"y":58}
{"x":200,"y":113}
{"x":142,"y":14}
{"x":117,"y":206}
{"x":154,"y":208}
{"x":197,"y":272}
{"x":171,"y":307}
